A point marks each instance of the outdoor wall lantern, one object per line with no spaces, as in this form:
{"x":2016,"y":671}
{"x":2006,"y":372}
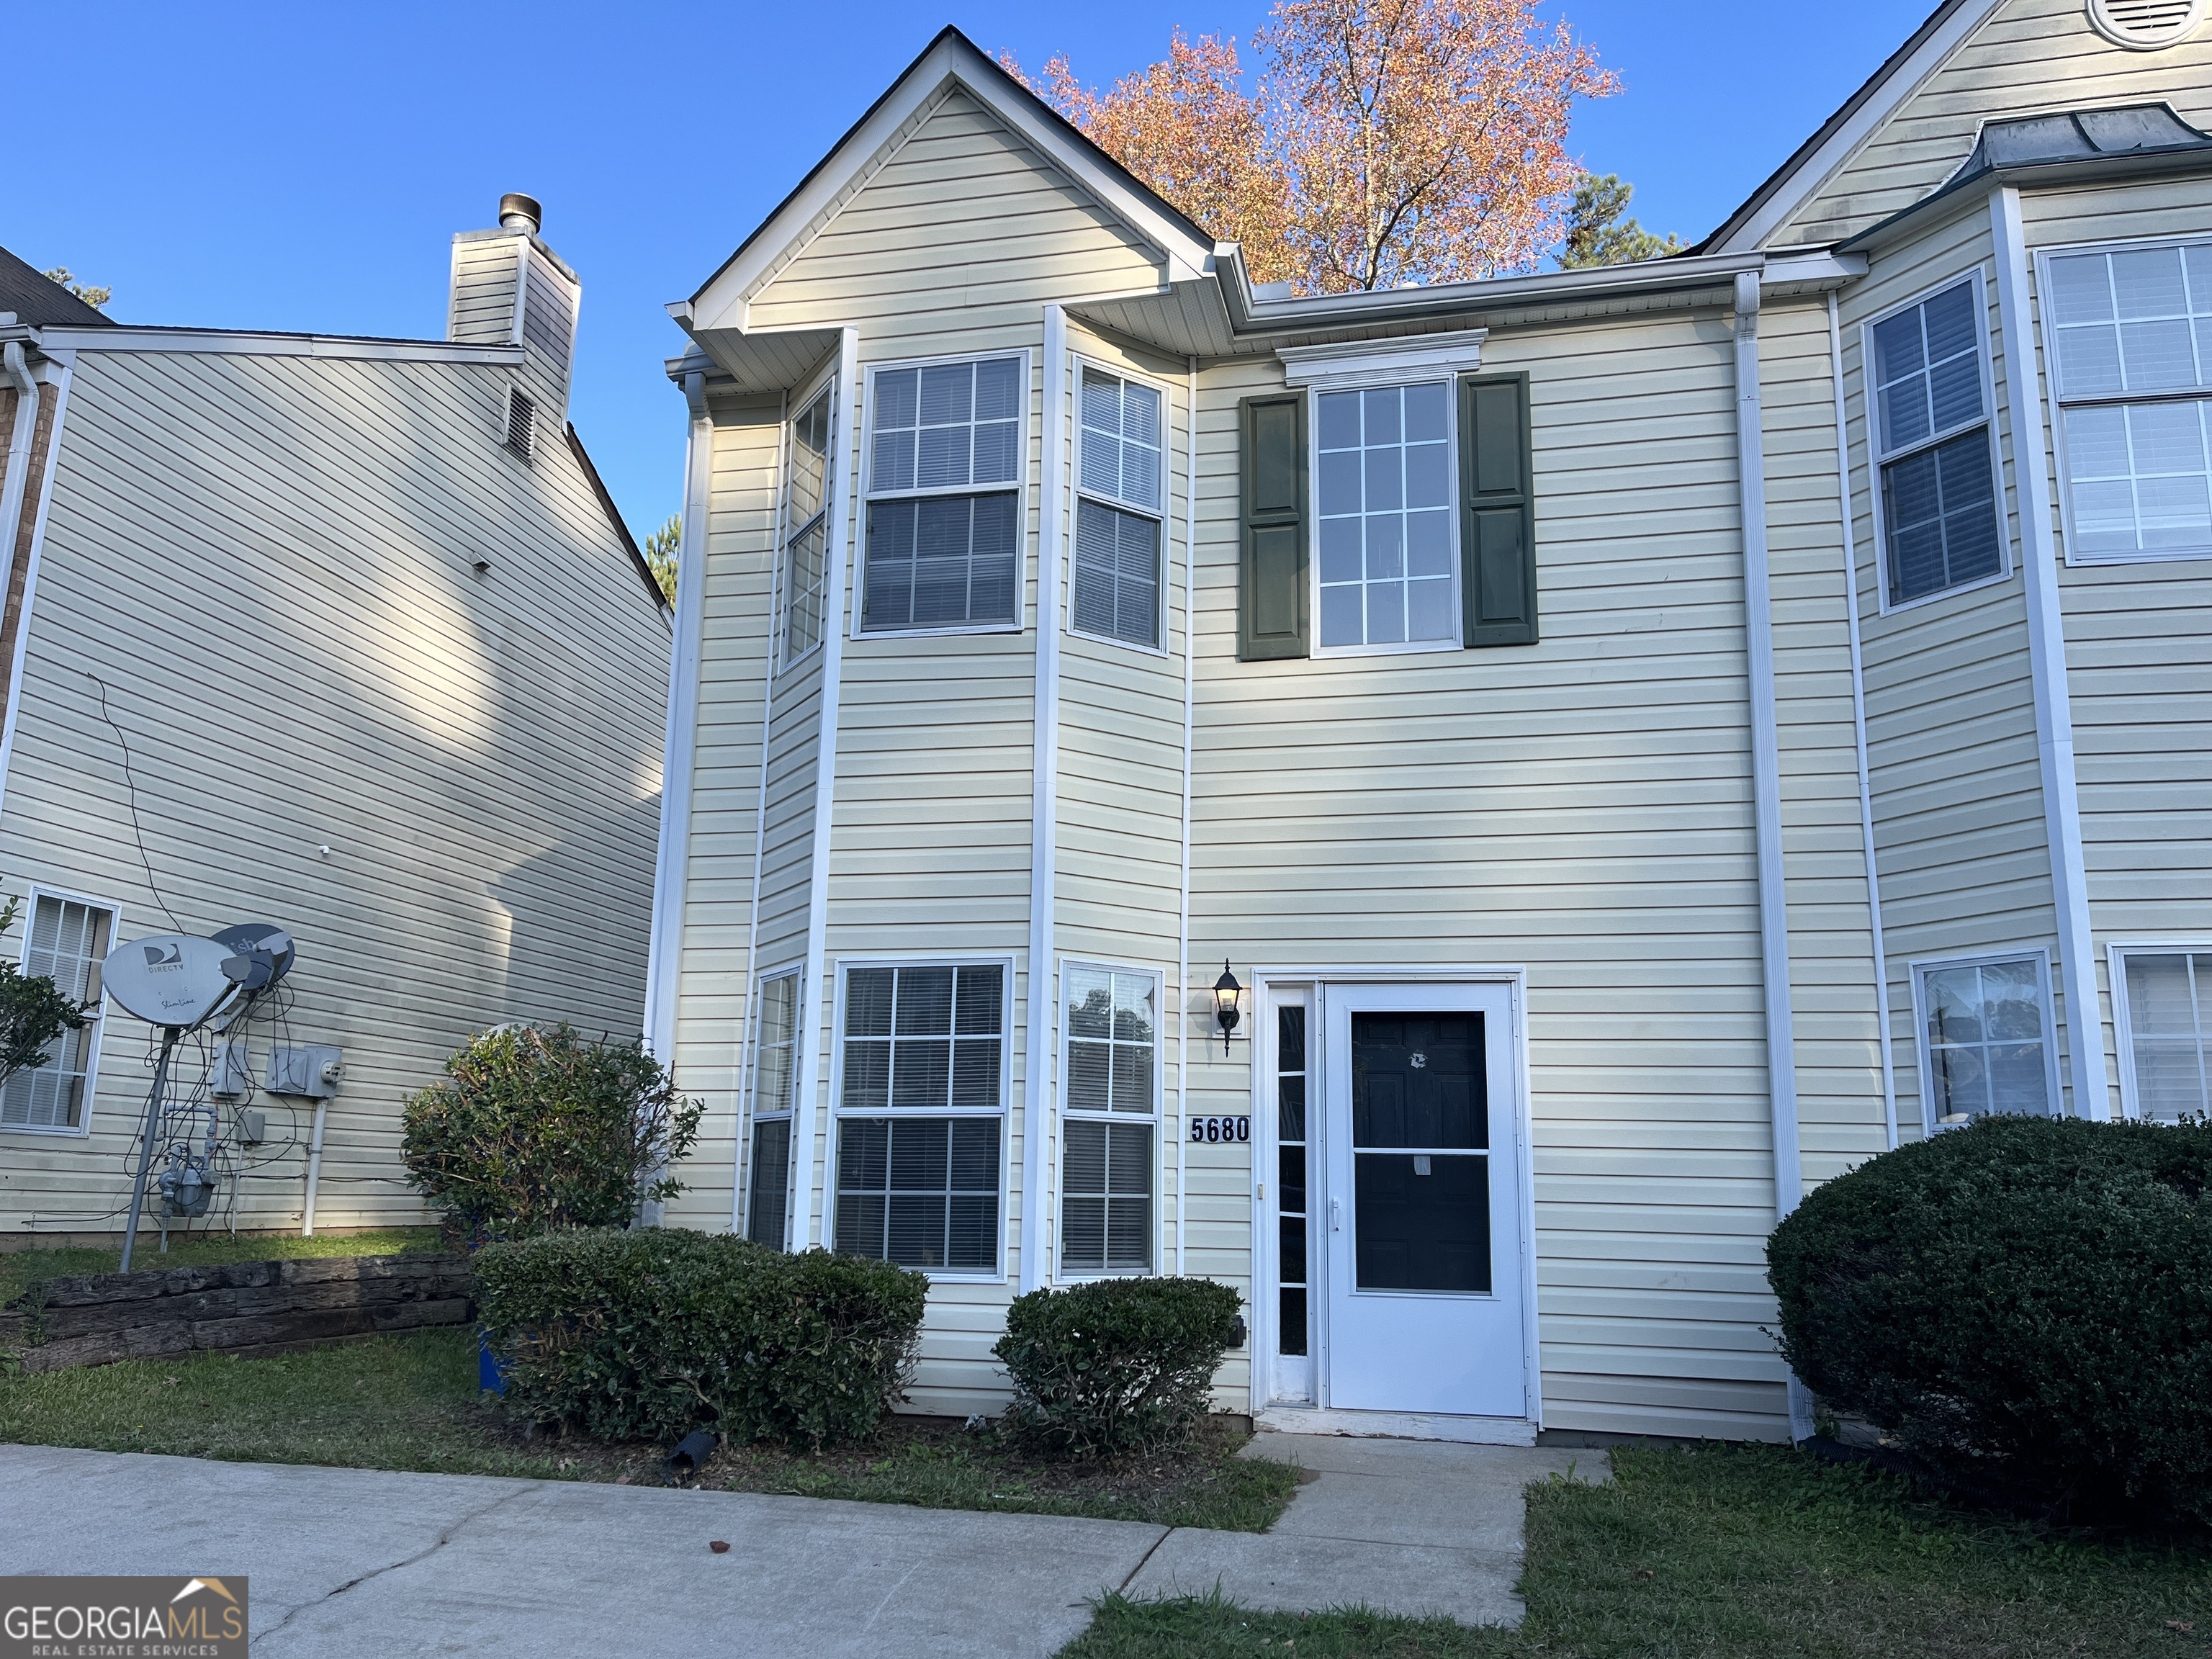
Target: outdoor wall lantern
{"x":1226,"y":993}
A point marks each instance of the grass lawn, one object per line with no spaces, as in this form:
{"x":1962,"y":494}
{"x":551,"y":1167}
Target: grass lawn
{"x":1752,"y":1552}
{"x":411,"y":1403}
{"x":21,"y":1269}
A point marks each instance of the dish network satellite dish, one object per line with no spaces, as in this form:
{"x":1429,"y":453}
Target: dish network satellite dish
{"x":175,"y":980}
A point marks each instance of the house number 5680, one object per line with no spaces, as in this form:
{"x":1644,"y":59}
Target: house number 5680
{"x":1221,"y":1128}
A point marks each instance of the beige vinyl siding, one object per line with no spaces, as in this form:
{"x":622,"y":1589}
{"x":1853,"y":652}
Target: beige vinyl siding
{"x":2138,"y":670}
{"x":548,"y":323}
{"x":1951,"y":742}
{"x":1833,"y":995}
{"x":269,"y":562}
{"x":714,"y":1001}
{"x":1581,"y":807}
{"x":958,"y":238}
{"x":480,"y":307}
{"x":2030,"y":56}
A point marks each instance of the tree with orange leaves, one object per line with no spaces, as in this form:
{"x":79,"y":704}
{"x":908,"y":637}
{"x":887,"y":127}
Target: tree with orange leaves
{"x":1387,"y":143}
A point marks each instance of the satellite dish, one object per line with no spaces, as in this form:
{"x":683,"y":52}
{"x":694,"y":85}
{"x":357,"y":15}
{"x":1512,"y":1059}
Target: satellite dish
{"x":170,"y":979}
{"x":267,"y":949}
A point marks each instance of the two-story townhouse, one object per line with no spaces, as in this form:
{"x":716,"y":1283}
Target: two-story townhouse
{"x":338,"y":635}
{"x":1447,"y":809}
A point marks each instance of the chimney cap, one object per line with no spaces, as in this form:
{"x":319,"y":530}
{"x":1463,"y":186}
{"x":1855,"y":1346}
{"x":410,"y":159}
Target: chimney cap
{"x":519,"y":212}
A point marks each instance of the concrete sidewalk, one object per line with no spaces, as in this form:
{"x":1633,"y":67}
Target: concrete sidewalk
{"x":348,"y":1562}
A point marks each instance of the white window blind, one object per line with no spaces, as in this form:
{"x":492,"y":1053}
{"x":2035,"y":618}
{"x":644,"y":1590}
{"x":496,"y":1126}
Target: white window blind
{"x":67,"y":942}
{"x":2169,"y":1029}
{"x":775,"y":1085}
{"x":2131,"y":334}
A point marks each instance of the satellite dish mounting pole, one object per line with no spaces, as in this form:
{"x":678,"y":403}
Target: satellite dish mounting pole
{"x":171,"y":1035}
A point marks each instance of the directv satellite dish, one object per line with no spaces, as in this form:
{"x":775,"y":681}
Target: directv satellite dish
{"x":266,"y":951}
{"x":170,"y":979}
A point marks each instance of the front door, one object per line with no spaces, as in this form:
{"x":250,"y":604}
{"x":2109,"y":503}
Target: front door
{"x":1420,"y":1225}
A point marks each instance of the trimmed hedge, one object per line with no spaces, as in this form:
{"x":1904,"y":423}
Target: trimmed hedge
{"x":2025,"y":1304}
{"x":1116,"y":1365}
{"x":646,"y":1334}
{"x":538,"y":1127}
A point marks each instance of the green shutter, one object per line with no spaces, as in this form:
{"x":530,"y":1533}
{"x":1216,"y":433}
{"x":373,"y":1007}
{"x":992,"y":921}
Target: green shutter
{"x":1498,"y":511}
{"x":1271,"y":568}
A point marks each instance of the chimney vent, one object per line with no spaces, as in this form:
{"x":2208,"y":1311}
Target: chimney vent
{"x":519,"y":212}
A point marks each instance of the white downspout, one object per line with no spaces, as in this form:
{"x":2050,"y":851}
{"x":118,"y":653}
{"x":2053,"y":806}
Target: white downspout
{"x":17,"y":371}
{"x":1183,"y":915}
{"x":1044,"y":807}
{"x":1766,"y":785}
{"x":63,"y":374}
{"x":2046,"y":658}
{"x":1858,"y":721}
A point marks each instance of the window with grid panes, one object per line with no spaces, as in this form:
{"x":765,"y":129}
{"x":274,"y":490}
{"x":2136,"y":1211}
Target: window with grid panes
{"x":920,"y":1104}
{"x":945,"y":457}
{"x":775,"y":1075}
{"x":1118,"y":511}
{"x":1382,"y":494}
{"x":1109,"y":1109}
{"x":2132,"y":333}
{"x":67,"y":942}
{"x":805,"y":528}
{"x":2169,"y":1029}
{"x":1939,"y":507}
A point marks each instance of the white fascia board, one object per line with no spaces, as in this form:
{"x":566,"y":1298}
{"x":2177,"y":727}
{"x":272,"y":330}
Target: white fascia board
{"x":238,"y":343}
{"x":1806,"y":179}
{"x":725,"y":301}
{"x":1363,"y":361}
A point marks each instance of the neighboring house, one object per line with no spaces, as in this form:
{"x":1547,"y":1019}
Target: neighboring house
{"x":338,"y":634}
{"x":1618,"y":727}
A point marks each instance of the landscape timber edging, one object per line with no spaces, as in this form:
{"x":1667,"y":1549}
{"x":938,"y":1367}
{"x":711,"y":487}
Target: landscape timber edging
{"x":241,"y":1307}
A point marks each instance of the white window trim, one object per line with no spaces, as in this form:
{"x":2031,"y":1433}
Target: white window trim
{"x":2054,"y":405}
{"x":1061,"y":1275}
{"x":96,"y":1035}
{"x":1343,"y":366}
{"x":2116,"y":954}
{"x":1877,"y":458}
{"x":1267,"y":1234}
{"x":1450,"y":380}
{"x":1078,"y":494}
{"x":866,"y":467}
{"x":842,"y":966}
{"x":826,"y":381}
{"x":1917,"y":972}
{"x":749,"y":1112}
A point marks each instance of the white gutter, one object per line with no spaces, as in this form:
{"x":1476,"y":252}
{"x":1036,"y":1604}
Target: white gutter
{"x":743,"y":1103}
{"x":837,"y":547}
{"x":2046,"y":657}
{"x":1044,"y":806}
{"x":664,"y":963}
{"x":1182,"y":913}
{"x":62,"y":376}
{"x":1859,"y":721}
{"x":1766,"y":753}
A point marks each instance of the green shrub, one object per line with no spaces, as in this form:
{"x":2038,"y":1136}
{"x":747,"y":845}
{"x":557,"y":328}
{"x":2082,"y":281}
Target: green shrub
{"x":646,"y":1334}
{"x":539,"y":1127}
{"x":2025,"y":1303}
{"x":1116,"y":1365}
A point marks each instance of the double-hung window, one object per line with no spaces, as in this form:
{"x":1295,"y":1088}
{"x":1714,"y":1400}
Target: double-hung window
{"x":1118,"y":511}
{"x":805,"y":528}
{"x":1387,"y":569}
{"x":776,"y":1090}
{"x":67,"y":941}
{"x":2164,"y":995}
{"x":1928,"y":386}
{"x":1110,"y":1116}
{"x":921,"y":1114}
{"x":944,"y":506}
{"x":2130,"y":337}
{"x":1987,"y":1042}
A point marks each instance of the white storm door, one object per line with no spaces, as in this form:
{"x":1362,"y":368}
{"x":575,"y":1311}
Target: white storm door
{"x":1420,"y":1219}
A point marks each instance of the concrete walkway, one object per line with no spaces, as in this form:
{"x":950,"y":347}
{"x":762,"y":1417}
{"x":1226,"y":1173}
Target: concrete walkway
{"x":343,"y":1562}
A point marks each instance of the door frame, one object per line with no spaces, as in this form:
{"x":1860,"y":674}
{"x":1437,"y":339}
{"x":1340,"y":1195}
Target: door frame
{"x":1265,"y":1278}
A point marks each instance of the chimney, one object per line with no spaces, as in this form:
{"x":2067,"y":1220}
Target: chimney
{"x":510,"y":288}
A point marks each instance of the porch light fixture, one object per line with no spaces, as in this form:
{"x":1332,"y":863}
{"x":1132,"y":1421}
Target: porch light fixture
{"x":1226,"y":993}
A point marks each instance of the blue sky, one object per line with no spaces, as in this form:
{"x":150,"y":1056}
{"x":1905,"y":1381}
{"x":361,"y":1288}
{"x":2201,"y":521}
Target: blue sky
{"x":304,"y":167}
